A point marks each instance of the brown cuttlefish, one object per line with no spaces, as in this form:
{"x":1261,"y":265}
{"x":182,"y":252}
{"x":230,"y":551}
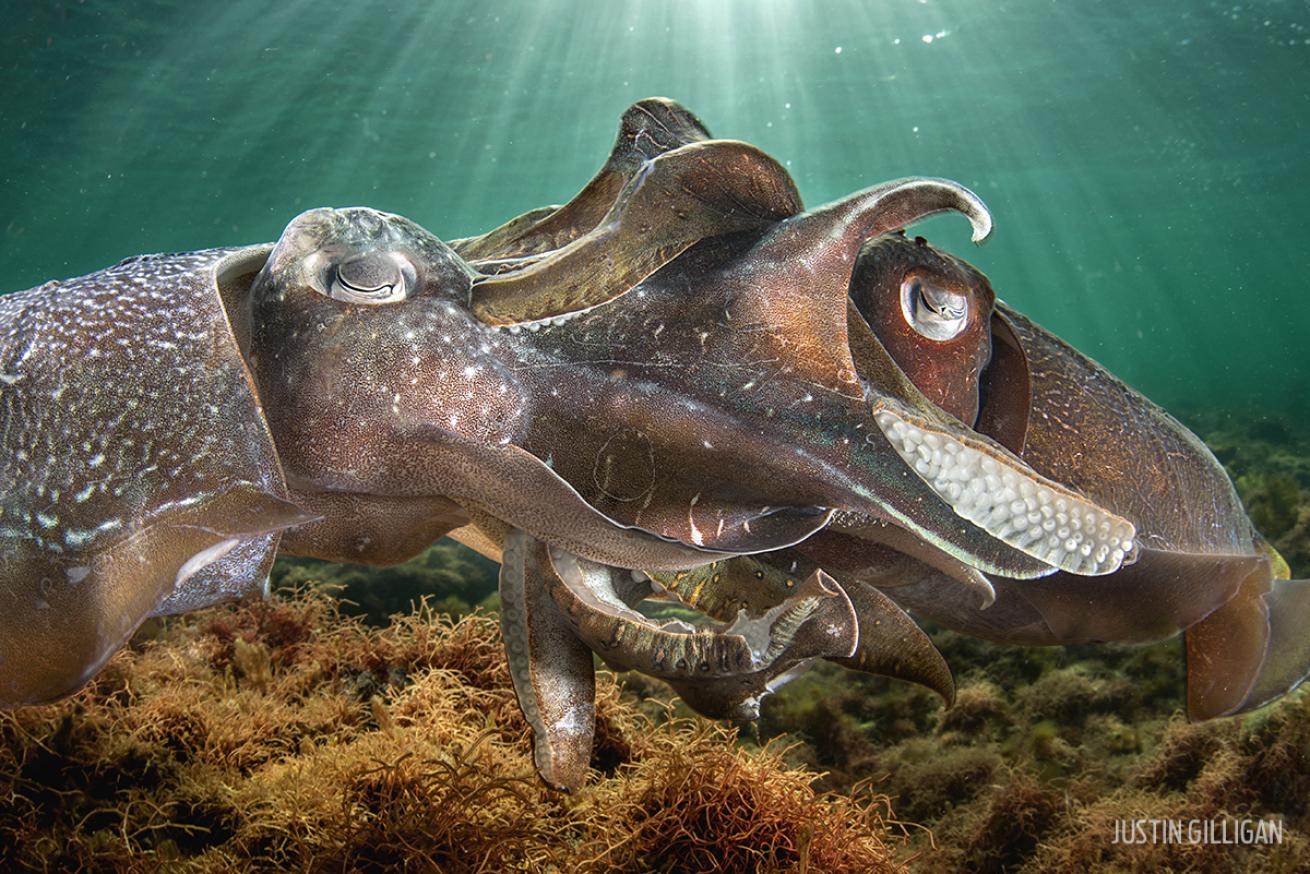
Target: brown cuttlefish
{"x":661,"y":376}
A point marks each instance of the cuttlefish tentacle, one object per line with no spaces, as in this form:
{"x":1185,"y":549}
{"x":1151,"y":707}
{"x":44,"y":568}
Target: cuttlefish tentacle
{"x":84,"y":604}
{"x":551,"y":668}
{"x":718,"y":670}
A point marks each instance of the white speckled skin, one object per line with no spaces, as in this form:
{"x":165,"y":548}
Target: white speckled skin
{"x":131,"y":443}
{"x":408,"y":401}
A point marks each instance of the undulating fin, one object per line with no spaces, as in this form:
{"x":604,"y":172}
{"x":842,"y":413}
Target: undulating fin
{"x":892,"y":645}
{"x":1162,"y":593}
{"x":1287,"y":657}
{"x":699,"y":190}
{"x":65,"y":614}
{"x":1226,"y":649}
{"x":647,"y":129}
{"x":477,"y":538}
{"x":241,"y":572}
{"x":983,"y":482}
{"x":554,"y":678}
{"x":724,"y":671}
{"x":1255,"y":647}
{"x":370,"y":529}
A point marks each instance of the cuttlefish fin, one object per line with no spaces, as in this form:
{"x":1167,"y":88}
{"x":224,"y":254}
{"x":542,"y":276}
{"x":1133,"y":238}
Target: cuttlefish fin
{"x":554,"y":678}
{"x":370,"y":529}
{"x":63,"y":615}
{"x":675,"y":199}
{"x":1254,"y":648}
{"x":1162,"y":593}
{"x":647,"y":129}
{"x":891,"y":644}
{"x":243,"y":570}
{"x":1043,"y":522}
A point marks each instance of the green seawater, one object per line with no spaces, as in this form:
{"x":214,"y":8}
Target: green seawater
{"x":1148,"y":164}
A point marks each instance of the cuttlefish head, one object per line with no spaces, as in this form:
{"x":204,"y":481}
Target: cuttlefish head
{"x":932,"y":312}
{"x":924,"y":401}
{"x":360,"y":332}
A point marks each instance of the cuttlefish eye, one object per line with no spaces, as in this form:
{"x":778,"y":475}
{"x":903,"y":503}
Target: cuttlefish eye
{"x":931,"y":310}
{"x":371,"y":278}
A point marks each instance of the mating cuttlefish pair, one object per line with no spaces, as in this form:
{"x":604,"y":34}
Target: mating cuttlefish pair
{"x":679,"y":385}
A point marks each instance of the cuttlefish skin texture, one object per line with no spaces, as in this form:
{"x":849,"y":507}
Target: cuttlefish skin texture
{"x":139,"y":476}
{"x":710,"y":335}
{"x":381,"y":389}
{"x":677,"y":368}
{"x":378,"y":405}
{"x":1201,"y":568}
{"x":655,"y":376}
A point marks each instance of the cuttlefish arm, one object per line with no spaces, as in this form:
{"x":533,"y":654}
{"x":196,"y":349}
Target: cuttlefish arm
{"x":132,"y":476}
{"x":721,"y":672}
{"x":799,"y":269}
{"x":647,"y":129}
{"x":550,"y":666}
{"x":889,"y":643}
{"x":679,"y":197}
{"x":557,"y":608}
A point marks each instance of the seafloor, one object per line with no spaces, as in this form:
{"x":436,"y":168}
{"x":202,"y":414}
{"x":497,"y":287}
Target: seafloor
{"x":298,"y":734}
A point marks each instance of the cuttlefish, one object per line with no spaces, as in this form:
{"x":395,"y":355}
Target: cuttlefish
{"x":661,"y":375}
{"x":1201,"y":569}
{"x":672,"y":347}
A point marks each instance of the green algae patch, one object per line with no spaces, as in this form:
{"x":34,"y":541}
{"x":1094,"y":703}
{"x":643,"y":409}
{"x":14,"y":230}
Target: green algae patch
{"x":283,"y":735}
